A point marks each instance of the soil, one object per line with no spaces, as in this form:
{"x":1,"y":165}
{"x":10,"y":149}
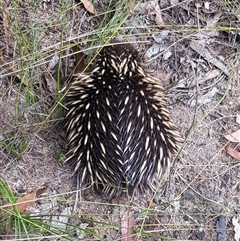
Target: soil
{"x":202,"y":191}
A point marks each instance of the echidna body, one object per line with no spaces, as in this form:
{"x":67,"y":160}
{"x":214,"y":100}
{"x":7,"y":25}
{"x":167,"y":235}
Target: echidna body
{"x":119,"y":131}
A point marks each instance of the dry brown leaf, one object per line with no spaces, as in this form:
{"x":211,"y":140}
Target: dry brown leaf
{"x":24,"y":202}
{"x":158,"y":18}
{"x":234,"y":137}
{"x":127,"y":225}
{"x":21,"y":204}
{"x":233,"y":153}
{"x":207,"y":54}
{"x":79,"y":60}
{"x":50,"y":84}
{"x":207,"y":76}
{"x":53,"y":62}
{"x":150,"y":203}
{"x":89,"y":6}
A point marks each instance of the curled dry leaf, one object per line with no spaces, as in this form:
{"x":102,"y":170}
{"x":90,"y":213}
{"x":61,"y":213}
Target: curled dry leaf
{"x":50,"y":84}
{"x":153,"y":50}
{"x":233,"y":153}
{"x":53,"y":62}
{"x":89,"y":6}
{"x":234,"y":137}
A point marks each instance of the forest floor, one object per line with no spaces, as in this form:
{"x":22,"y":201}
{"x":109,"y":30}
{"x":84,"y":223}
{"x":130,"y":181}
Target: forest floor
{"x":192,"y":47}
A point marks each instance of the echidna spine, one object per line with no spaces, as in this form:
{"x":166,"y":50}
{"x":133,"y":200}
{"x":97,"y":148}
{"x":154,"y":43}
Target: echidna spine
{"x":120,"y":134}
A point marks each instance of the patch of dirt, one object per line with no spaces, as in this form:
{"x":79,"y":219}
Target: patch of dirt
{"x":203,"y":94}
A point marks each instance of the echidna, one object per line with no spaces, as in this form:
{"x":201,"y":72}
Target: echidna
{"x":119,"y":131}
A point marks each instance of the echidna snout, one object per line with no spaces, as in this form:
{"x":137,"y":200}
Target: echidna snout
{"x":119,"y":130}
